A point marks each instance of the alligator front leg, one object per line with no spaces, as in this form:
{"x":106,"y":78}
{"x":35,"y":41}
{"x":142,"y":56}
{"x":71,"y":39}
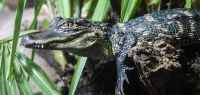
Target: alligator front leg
{"x":128,"y":42}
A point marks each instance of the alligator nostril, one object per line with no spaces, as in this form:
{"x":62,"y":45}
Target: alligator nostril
{"x":26,"y":39}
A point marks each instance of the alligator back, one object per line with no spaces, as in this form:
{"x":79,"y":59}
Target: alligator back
{"x":182,"y":24}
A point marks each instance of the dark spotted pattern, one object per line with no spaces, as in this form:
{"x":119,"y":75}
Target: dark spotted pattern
{"x":182,"y":24}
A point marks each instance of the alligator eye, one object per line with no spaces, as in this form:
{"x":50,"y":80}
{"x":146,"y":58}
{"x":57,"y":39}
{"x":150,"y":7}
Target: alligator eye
{"x":70,"y":24}
{"x":66,"y":25}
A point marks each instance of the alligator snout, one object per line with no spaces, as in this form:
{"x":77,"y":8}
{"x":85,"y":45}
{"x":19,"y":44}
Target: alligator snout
{"x":26,"y":39}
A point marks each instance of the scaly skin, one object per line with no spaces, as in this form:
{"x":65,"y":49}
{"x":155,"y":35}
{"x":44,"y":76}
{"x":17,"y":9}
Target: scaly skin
{"x":108,"y":42}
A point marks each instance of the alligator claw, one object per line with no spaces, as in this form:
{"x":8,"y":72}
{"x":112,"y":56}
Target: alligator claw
{"x":122,"y":76}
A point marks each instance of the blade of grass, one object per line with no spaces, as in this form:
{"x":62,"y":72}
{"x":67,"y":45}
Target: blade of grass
{"x":87,"y":5}
{"x":5,"y":84}
{"x":76,"y":76}
{"x":128,"y":9}
{"x":91,"y":6}
{"x":50,"y":8}
{"x":34,"y":23}
{"x":1,"y":55}
{"x":3,"y":90}
{"x":101,"y":10}
{"x":60,"y":8}
{"x":78,"y":8}
{"x":36,"y":14}
{"x":188,"y":3}
{"x":45,"y":23}
{"x":18,"y":19}
{"x":20,"y":35}
{"x":22,"y":83}
{"x":12,"y":87}
{"x":34,"y":71}
{"x":7,"y":52}
{"x":38,"y":75}
{"x":3,"y":3}
{"x":59,"y":56}
{"x":65,"y":8}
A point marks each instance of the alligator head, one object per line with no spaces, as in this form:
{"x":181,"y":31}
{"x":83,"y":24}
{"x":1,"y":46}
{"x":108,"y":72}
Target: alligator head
{"x":74,"y":35}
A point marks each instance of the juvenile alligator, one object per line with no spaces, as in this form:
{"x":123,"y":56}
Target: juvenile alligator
{"x":108,"y":42}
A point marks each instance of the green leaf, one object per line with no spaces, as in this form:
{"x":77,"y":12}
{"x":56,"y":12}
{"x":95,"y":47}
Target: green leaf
{"x":129,"y":8}
{"x":3,"y":90}
{"x":22,"y":83}
{"x":188,"y":3}
{"x":78,"y":9}
{"x":79,"y":68}
{"x":39,"y":77}
{"x":65,"y":8}
{"x":20,"y":35}
{"x":50,"y":8}
{"x":46,"y":24}
{"x":17,"y":25}
{"x":59,"y":56}
{"x":13,"y":87}
{"x":90,"y":6}
{"x":21,"y":61}
{"x":6,"y":87}
{"x":101,"y":10}
{"x":1,"y":55}
{"x":36,"y":14}
{"x":3,"y":3}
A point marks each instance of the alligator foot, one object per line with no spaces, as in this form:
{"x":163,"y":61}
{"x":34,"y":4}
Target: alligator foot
{"x":122,"y":76}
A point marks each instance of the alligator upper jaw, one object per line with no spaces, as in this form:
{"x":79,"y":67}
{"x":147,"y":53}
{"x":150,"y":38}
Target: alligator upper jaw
{"x":41,"y":45}
{"x":39,"y":41}
{"x":28,"y":42}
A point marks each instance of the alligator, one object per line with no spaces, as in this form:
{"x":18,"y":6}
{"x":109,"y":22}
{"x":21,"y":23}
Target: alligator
{"x":105,"y":41}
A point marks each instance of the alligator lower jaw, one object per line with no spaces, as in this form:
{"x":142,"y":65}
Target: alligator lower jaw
{"x":47,"y":45}
{"x":37,"y":46}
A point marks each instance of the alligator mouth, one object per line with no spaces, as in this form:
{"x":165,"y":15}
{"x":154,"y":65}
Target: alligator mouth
{"x":38,"y":46}
{"x":49,"y":45}
{"x":29,"y":41}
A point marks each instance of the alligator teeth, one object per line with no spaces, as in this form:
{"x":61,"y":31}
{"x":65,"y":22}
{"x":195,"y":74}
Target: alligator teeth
{"x":38,"y":45}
